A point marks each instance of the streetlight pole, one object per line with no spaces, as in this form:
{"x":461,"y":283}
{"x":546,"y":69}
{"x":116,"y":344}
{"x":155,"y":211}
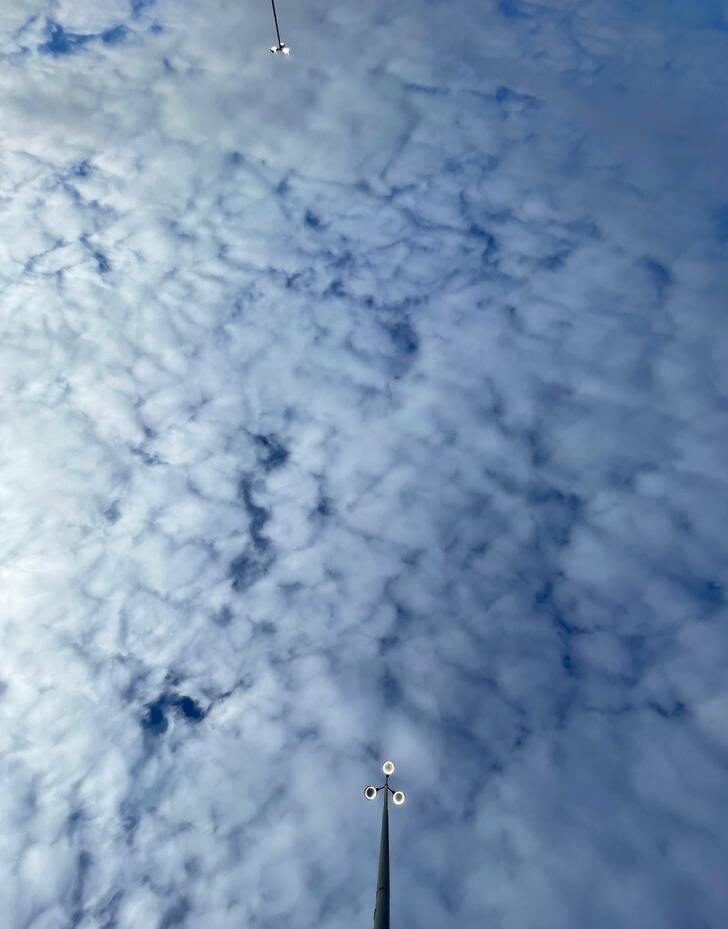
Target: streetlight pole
{"x":381,"y":906}
{"x":275,"y":19}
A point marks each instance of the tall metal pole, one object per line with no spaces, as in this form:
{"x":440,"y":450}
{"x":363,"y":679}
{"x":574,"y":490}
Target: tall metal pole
{"x":272,"y":3}
{"x":381,"y":907}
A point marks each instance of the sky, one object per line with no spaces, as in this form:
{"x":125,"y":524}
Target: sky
{"x":368,"y":403}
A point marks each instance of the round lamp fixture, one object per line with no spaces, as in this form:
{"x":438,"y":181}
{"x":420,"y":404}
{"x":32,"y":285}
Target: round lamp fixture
{"x":370,"y":792}
{"x":388,"y":767}
{"x":398,"y":797}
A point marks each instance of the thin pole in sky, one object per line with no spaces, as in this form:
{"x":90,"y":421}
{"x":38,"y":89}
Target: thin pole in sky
{"x":381,"y":906}
{"x":275,"y":18}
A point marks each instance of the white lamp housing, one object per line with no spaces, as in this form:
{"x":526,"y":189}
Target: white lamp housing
{"x":388,"y":767}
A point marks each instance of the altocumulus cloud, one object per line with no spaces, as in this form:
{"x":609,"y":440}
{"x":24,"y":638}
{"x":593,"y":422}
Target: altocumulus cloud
{"x":368,"y":403}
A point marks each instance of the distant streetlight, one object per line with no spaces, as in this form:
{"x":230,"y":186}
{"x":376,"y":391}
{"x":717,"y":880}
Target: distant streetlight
{"x":381,"y":906}
{"x":281,"y":47}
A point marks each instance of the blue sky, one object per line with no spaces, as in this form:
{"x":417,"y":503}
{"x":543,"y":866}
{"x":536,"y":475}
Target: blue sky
{"x":365,"y":404}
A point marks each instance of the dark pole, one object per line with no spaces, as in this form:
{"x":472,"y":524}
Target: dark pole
{"x":381,"y":906}
{"x":272,"y":3}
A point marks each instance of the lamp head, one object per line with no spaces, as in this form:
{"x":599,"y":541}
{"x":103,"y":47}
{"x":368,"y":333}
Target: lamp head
{"x":370,"y":792}
{"x":388,"y":767}
{"x":398,"y":797}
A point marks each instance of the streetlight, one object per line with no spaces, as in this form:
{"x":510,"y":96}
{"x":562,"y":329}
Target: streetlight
{"x":381,"y":906}
{"x":281,"y":47}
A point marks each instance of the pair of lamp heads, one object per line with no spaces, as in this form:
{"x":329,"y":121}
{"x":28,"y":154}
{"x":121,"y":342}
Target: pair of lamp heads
{"x":371,"y":791}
